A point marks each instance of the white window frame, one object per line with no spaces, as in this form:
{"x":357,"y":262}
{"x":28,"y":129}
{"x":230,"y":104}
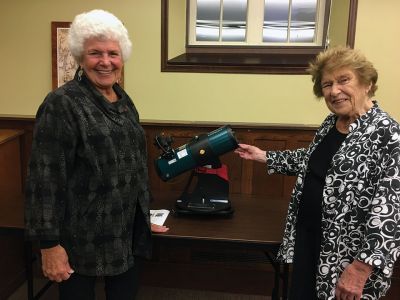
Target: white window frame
{"x":254,"y":32}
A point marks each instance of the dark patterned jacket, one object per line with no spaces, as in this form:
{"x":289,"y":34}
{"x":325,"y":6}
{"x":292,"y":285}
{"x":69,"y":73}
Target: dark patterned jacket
{"x":361,"y":201}
{"x":88,"y":179}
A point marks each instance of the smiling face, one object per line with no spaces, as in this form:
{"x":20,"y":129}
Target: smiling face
{"x":344,"y":94}
{"x":102,"y":63}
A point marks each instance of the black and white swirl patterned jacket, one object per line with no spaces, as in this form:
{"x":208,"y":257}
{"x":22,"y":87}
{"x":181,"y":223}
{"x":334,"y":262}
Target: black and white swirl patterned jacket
{"x":361,"y":201}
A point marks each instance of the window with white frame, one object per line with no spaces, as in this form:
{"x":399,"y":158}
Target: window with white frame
{"x":257,"y":22}
{"x":252,"y":36}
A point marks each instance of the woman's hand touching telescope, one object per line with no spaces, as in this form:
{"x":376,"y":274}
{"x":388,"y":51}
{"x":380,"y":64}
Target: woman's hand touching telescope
{"x":250,"y":152}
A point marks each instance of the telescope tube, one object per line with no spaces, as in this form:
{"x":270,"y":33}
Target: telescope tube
{"x":201,"y":150}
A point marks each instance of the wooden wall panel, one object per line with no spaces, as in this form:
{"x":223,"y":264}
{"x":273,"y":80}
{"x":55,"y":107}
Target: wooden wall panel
{"x":263,"y":184}
{"x":246,"y":177}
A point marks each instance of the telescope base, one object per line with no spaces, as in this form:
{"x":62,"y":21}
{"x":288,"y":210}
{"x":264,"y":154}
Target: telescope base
{"x":209,"y":196}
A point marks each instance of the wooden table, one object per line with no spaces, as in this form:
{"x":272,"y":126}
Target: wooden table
{"x":255,"y":224}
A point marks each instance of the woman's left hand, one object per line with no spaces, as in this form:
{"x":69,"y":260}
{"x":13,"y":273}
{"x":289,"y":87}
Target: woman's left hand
{"x":158,"y":228}
{"x":351,"y":283}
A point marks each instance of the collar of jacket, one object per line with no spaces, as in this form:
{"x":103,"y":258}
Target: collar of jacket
{"x":112,"y":110}
{"x":357,"y":123}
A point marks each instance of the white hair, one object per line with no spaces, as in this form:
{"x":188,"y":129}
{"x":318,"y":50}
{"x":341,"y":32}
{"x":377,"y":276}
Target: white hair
{"x":101,"y":24}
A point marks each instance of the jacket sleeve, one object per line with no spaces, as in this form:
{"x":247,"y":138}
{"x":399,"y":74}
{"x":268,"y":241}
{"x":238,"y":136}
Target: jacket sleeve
{"x":382,"y":239}
{"x":287,"y":162}
{"x":51,"y":157}
{"x":292,"y":162}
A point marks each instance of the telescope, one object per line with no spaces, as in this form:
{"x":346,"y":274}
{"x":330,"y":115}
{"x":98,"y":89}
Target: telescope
{"x":201,"y":155}
{"x":202,"y":150}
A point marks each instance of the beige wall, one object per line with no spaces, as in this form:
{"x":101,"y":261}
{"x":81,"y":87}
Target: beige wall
{"x":25,"y":53}
{"x":377,"y":36}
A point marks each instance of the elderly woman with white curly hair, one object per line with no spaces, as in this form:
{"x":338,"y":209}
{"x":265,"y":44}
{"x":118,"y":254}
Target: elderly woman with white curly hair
{"x":87,"y":193}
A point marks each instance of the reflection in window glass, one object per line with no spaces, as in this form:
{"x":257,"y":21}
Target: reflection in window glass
{"x":276,"y":16}
{"x":234,"y":20}
{"x":208,"y":20}
{"x":302,"y":24}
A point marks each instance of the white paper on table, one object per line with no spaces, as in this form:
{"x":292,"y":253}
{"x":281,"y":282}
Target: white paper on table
{"x":158,"y":216}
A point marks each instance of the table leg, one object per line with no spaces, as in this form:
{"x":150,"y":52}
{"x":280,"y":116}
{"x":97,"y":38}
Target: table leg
{"x":277,"y":279}
{"x":277,"y":268}
{"x":29,"y":274}
{"x":284,"y":275}
{"x":285,"y":281}
{"x":29,"y":269}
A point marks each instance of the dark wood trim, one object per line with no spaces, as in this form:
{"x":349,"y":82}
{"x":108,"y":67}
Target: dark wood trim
{"x":207,"y":124}
{"x":18,"y":118}
{"x":240,"y":63}
{"x":164,"y":35}
{"x":352,"y":22}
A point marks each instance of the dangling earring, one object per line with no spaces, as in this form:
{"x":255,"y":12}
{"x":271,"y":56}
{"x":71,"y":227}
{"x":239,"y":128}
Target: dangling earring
{"x":80,"y":72}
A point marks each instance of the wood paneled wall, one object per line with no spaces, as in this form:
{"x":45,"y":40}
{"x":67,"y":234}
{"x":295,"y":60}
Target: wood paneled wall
{"x":246,"y":177}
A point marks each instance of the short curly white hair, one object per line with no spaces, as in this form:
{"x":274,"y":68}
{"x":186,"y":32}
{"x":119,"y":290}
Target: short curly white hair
{"x":101,"y":24}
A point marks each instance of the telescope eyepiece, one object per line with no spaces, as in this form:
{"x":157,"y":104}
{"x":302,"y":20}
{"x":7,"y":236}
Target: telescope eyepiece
{"x":164,"y":143}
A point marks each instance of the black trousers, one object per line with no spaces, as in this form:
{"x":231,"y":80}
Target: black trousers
{"x":306,"y":255}
{"x":119,"y":287}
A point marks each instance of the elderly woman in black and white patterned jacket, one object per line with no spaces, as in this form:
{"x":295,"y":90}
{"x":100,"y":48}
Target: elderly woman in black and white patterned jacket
{"x":342,"y":231}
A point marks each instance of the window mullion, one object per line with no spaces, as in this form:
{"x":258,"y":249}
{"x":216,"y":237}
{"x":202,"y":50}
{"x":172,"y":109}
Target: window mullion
{"x":289,"y":22}
{"x":320,"y":21}
{"x":221,"y":18}
{"x":255,"y":20}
